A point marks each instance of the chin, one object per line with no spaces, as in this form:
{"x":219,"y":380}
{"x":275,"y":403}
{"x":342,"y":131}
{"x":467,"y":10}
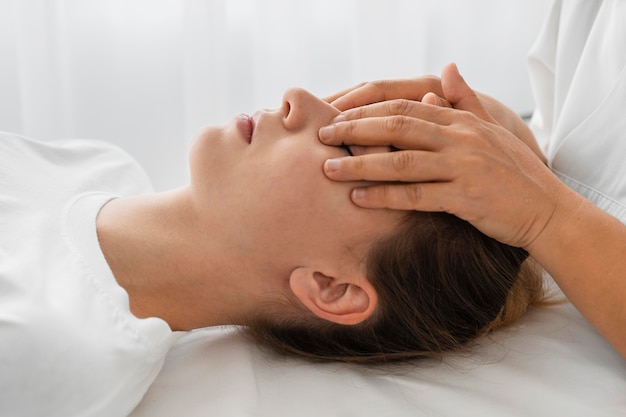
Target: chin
{"x":202,"y":154}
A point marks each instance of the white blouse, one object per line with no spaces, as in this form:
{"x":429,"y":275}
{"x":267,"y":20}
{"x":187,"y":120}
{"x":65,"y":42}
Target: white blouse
{"x":578,"y":74}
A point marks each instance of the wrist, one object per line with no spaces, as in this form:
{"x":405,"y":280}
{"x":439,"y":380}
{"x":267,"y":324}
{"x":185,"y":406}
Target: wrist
{"x":562,"y":224}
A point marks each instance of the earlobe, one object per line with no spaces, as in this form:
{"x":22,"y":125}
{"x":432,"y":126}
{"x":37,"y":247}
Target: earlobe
{"x":340,"y":300}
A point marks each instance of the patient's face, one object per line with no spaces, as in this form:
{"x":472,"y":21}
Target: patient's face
{"x":265,"y":181}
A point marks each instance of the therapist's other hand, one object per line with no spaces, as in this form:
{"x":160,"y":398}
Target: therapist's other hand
{"x":458,"y":161}
{"x":429,"y":89}
{"x":377,"y":91}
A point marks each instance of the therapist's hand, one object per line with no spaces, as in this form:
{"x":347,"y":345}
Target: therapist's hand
{"x":377,"y":91}
{"x":428,"y":89}
{"x":459,"y":161}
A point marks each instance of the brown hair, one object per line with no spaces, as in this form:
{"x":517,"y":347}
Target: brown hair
{"x":440,"y":283}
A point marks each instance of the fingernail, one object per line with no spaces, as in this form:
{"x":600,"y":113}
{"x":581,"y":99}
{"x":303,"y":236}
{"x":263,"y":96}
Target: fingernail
{"x":358,"y":194}
{"x":326,"y":132}
{"x":338,"y":118}
{"x":331,"y":165}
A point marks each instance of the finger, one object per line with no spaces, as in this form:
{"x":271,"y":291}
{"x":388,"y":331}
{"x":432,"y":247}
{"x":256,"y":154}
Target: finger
{"x":376,"y":91}
{"x":342,"y":93}
{"x":402,"y":166}
{"x":435,"y":100}
{"x":365,"y":94}
{"x":402,"y":132}
{"x":437,"y":197}
{"x":460,"y":95}
{"x":399,"y":107}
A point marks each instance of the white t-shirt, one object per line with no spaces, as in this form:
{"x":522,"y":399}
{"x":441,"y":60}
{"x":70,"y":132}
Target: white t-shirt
{"x":69,"y":345}
{"x":578,"y":73}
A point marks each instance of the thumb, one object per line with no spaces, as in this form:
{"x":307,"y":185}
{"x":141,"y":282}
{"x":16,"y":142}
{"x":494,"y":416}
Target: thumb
{"x":460,"y":95}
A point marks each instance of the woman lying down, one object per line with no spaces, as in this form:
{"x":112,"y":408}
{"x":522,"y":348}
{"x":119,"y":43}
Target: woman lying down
{"x":98,"y":276}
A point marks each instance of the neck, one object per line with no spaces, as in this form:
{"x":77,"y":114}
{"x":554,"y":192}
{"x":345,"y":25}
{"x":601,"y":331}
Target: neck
{"x":171,"y":263}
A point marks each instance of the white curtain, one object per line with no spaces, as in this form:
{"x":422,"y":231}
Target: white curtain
{"x":146,"y":74}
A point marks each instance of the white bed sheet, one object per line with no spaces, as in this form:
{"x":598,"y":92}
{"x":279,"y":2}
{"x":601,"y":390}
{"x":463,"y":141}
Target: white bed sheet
{"x":552,"y":364}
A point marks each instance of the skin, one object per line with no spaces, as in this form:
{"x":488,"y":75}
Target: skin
{"x":258,"y":224}
{"x":479,"y":162}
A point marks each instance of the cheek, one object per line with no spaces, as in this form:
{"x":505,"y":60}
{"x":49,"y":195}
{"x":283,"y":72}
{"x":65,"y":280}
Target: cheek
{"x":298,"y":197}
{"x":205,"y":157}
{"x":295,"y":178}
{"x":325,"y":212}
{"x":290,"y":197}
{"x":302,"y":199}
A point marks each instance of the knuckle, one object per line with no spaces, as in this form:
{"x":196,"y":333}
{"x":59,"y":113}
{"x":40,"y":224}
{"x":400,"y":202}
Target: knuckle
{"x":382,"y":88}
{"x":395,"y":125}
{"x":358,"y":164}
{"x":383,"y":194}
{"x":470,"y":189}
{"x":358,"y":113}
{"x":348,"y":129}
{"x":481,"y":164}
{"x":475,"y":192}
{"x":398,"y":107}
{"x":377,"y":88}
{"x":380,"y":85}
{"x":476,"y":186}
{"x":413,"y":194}
{"x":472,"y":161}
{"x":465,"y":118}
{"x":403,"y":162}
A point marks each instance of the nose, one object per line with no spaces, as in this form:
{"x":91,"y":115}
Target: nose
{"x":302,"y":109}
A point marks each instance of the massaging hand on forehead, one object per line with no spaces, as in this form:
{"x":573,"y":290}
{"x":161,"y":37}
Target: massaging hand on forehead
{"x":471,"y":163}
{"x":476,"y":161}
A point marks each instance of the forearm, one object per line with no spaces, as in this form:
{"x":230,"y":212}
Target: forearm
{"x":584,"y":249}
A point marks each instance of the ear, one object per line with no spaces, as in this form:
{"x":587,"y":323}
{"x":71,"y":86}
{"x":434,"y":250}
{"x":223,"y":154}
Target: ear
{"x":344,"y":301}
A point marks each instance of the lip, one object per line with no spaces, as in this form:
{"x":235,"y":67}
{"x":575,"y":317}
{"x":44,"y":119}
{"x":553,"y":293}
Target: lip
{"x":245,"y":125}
